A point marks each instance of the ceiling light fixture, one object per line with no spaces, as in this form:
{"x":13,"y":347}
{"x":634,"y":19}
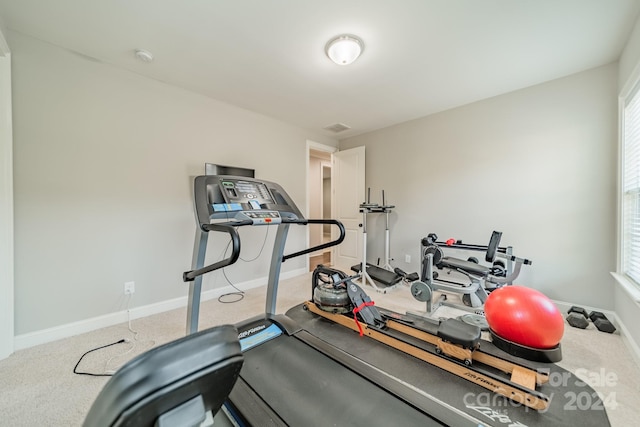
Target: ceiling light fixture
{"x":144,"y":55}
{"x":344,"y":49}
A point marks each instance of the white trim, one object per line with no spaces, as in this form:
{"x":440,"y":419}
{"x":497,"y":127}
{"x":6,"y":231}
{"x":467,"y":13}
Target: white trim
{"x":4,"y":46}
{"x":64,"y":331}
{"x":626,"y":338}
{"x":6,"y":205}
{"x":629,"y":287}
{"x":634,"y":293}
{"x":633,"y":78}
{"x":325,"y":164}
{"x":619,"y":210}
{"x":627,"y":89}
{"x":312,"y":145}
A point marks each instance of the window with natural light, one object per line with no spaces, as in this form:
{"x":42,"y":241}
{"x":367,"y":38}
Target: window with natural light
{"x":631,"y":186}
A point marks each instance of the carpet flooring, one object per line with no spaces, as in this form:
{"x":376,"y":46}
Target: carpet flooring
{"x":38,"y":386}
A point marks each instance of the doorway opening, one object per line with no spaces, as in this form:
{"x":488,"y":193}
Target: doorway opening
{"x":319,"y":199}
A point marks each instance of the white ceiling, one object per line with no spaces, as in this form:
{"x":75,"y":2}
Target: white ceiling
{"x":420,"y":57}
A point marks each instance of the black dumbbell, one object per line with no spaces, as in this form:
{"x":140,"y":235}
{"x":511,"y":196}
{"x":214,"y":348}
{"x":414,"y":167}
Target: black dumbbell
{"x":601,"y":322}
{"x":577,"y":317}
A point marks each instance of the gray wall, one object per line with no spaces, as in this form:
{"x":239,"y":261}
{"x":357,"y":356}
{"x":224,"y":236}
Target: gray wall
{"x":103,"y":160}
{"x":630,"y":57}
{"x":538,"y":164}
{"x":102,"y":167}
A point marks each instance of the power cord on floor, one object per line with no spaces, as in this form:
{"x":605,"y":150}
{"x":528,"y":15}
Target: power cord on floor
{"x":75,"y":368}
{"x":135,"y":339}
{"x":135,"y":333}
{"x":109,"y":372}
{"x":239,"y":294}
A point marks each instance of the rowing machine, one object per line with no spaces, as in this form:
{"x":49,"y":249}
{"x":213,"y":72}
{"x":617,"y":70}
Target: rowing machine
{"x":449,"y":344}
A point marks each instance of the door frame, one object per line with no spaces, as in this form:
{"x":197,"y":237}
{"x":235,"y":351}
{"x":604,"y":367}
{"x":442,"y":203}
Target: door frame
{"x":312,"y":145}
{"x":6,"y":207}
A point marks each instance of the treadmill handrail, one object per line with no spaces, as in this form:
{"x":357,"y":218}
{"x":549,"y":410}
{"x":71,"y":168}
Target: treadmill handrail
{"x":336,"y":242}
{"x":230,"y":228}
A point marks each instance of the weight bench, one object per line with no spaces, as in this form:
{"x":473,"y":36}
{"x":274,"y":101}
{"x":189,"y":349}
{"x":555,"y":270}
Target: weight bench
{"x":482,"y":278}
{"x":469,"y":267}
{"x":383,"y":276}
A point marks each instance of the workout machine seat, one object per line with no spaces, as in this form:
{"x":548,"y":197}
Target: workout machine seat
{"x":454,"y":330}
{"x":467,"y":266}
{"x":385,"y":277}
{"x":174,"y":384}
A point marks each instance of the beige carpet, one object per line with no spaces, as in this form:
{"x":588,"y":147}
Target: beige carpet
{"x":38,"y":386}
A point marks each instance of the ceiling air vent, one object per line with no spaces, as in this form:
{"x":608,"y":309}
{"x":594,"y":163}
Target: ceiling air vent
{"x":337,"y":127}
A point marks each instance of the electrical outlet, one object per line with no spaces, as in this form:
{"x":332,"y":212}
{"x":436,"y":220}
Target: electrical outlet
{"x":129,"y":288}
{"x":407,"y":258}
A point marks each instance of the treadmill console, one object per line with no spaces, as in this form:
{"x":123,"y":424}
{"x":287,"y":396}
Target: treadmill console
{"x":254,"y":193}
{"x":238,"y":198}
{"x":260,"y":217}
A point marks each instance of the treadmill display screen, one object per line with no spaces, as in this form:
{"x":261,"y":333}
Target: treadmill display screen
{"x":240,"y":191}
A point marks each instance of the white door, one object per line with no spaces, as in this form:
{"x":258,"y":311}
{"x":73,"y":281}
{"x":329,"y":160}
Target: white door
{"x":348,"y":189}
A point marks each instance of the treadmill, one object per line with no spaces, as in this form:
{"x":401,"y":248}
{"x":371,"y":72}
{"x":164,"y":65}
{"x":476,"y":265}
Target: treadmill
{"x":300,"y":369}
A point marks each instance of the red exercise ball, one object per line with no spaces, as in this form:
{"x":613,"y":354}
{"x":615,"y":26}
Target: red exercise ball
{"x":524,"y":316}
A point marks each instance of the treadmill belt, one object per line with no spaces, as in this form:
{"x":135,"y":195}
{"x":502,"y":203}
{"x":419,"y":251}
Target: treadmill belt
{"x":459,"y":393}
{"x":305,"y":387}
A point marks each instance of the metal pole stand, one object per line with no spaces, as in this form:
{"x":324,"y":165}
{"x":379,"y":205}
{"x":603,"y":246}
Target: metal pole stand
{"x":365,"y":278}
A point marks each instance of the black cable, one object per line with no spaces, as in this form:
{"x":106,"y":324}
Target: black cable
{"x":239,"y":297}
{"x":99,"y":348}
{"x":239,"y":293}
{"x":261,"y":248}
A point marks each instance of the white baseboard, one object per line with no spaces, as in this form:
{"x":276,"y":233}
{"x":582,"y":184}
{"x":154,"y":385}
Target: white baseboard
{"x":31,"y":339}
{"x":64,"y":331}
{"x":629,"y":342}
{"x":634,"y":296}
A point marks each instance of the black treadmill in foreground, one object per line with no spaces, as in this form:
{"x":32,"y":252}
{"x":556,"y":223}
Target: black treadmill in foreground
{"x":301,"y":369}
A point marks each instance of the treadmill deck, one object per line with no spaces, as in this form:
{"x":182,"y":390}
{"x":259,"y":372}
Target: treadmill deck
{"x":306,"y":387}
